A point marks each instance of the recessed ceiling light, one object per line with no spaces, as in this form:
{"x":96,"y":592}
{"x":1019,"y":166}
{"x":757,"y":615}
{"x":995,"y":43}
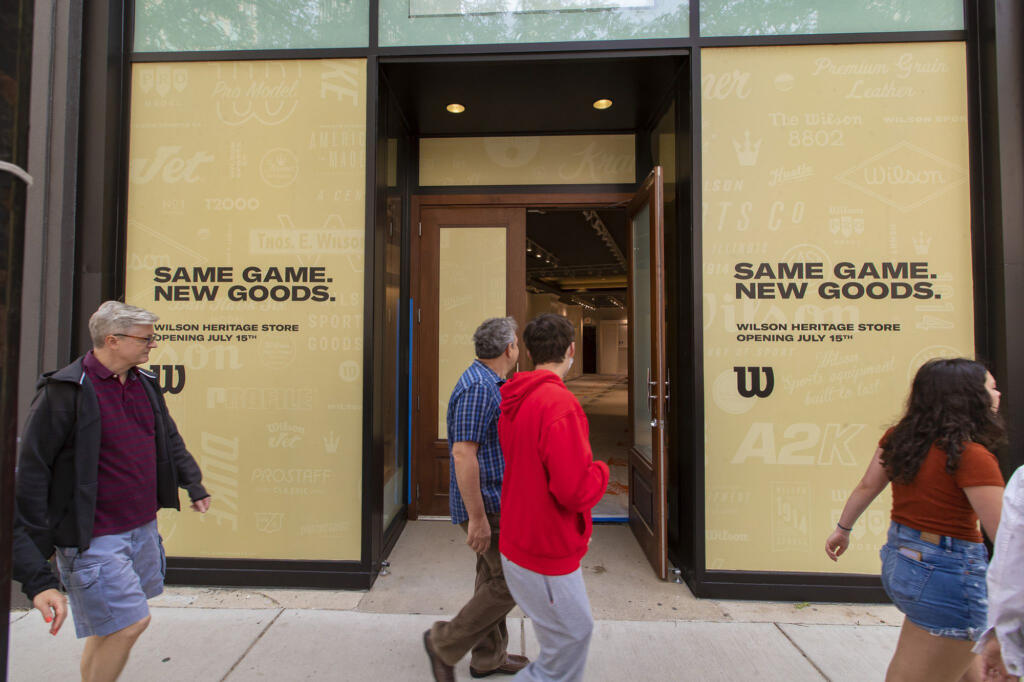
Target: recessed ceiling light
{"x":602,"y":104}
{"x":455,"y":108}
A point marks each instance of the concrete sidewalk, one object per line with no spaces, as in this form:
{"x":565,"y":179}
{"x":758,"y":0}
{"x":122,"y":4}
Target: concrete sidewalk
{"x":645,"y":628}
{"x":303,"y":644}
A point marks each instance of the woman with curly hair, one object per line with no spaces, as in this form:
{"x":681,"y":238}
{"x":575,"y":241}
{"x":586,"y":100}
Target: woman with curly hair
{"x":944,"y":478}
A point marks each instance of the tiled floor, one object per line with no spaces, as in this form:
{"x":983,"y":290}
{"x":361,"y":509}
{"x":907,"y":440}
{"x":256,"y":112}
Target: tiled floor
{"x":604,"y":398}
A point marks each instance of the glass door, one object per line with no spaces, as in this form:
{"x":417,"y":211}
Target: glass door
{"x":647,"y":457}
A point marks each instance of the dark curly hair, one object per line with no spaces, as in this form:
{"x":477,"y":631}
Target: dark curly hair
{"x":948,"y":407}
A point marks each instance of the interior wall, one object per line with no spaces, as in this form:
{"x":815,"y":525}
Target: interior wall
{"x":538,"y":304}
{"x":527,"y":160}
{"x":612,"y":350}
{"x":612,"y":347}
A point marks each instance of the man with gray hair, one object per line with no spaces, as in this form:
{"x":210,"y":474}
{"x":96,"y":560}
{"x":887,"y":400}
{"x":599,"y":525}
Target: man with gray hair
{"x":474,"y":498}
{"x":99,"y":456}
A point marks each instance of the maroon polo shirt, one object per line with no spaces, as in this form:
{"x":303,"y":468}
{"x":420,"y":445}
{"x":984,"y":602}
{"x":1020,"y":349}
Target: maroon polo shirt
{"x":126,"y":477}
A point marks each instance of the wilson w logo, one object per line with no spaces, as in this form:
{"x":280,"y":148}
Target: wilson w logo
{"x":173,"y":379}
{"x":754,"y":387}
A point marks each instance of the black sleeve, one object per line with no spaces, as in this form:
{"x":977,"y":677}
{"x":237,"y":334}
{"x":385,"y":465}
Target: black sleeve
{"x":49,"y":423}
{"x":31,"y":569}
{"x":189,"y":476}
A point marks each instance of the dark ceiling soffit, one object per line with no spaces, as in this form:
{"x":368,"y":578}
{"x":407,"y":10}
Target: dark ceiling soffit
{"x":543,"y":95}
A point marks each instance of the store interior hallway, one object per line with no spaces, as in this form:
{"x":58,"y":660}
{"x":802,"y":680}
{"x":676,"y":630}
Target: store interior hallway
{"x":605,"y":400}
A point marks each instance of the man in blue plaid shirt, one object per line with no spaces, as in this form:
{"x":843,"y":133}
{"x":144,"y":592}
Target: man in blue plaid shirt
{"x":475,"y":503}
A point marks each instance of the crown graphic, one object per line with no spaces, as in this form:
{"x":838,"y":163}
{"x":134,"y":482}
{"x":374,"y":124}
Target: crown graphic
{"x":921,"y":244}
{"x":747,"y":153}
{"x":331,"y":441}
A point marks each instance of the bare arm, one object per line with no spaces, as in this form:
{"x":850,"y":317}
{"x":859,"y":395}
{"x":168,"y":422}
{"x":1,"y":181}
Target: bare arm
{"x":987,"y":502}
{"x":871,"y":484}
{"x":467,"y":477}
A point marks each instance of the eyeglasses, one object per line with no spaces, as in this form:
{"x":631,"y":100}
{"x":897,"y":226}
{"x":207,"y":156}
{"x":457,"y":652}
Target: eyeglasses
{"x":147,"y":339}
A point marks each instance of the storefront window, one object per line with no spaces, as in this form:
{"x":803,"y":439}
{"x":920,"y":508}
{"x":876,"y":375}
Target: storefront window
{"x":190,"y":25}
{"x":245,"y":233}
{"x":458,"y":22}
{"x":800,"y":17}
{"x":391,"y":449}
{"x":836,"y":260}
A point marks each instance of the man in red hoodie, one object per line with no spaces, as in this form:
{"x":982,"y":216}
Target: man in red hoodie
{"x":551,"y":483}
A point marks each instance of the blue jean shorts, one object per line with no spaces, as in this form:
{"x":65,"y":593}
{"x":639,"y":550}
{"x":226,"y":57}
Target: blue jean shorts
{"x":939,"y":587}
{"x":109,"y":583}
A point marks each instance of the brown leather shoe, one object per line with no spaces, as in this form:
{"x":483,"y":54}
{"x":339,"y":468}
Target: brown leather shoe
{"x":513,"y":664}
{"x":442,"y":671}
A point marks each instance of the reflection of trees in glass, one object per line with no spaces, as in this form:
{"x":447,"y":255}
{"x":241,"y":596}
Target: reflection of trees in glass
{"x":772,"y":17}
{"x":476,"y":22}
{"x":171,"y":25}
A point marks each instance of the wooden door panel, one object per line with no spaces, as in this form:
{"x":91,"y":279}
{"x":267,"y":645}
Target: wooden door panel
{"x":648,"y":500}
{"x":641,"y":496}
{"x":430,"y":452}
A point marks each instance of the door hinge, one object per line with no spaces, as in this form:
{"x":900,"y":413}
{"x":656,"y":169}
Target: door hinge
{"x":417,"y":403}
{"x":419,"y":317}
{"x":419,"y":229}
{"x":417,"y":492}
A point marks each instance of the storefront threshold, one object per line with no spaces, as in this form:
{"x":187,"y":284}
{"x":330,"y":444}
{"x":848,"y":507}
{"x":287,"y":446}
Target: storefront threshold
{"x":336,"y":575}
{"x":797,"y":587}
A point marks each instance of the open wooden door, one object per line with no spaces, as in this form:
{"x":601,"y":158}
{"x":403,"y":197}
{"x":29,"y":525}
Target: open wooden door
{"x":470,"y":264}
{"x":648,"y":504}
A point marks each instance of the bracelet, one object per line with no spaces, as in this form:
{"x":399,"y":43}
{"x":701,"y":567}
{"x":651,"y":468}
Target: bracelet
{"x":844,"y":527}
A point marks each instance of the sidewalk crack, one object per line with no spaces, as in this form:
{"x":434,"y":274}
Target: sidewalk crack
{"x":254,"y":643}
{"x":803,"y":653}
{"x":270,"y":599}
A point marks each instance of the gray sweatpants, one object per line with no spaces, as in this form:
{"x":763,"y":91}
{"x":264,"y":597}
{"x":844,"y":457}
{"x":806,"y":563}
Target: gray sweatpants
{"x":560,"y":611}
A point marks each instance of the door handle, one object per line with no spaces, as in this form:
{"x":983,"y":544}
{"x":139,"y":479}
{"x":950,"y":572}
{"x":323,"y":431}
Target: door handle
{"x":668,"y":388}
{"x":650,"y":398}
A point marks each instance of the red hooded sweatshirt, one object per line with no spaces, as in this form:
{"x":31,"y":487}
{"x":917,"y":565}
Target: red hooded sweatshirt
{"x":551,"y":480}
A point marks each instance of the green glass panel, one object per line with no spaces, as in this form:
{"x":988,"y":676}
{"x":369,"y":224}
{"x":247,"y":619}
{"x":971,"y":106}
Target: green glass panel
{"x":459,"y":22}
{"x":799,"y":17}
{"x":190,"y":25}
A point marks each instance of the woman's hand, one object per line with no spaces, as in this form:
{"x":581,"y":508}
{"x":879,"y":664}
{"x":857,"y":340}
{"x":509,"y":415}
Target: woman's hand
{"x":837,"y":543}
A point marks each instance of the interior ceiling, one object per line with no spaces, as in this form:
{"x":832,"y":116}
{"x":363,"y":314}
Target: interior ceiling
{"x":531,"y":95}
{"x":587,"y":250}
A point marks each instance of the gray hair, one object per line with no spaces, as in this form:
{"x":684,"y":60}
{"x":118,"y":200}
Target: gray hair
{"x":493,"y":336}
{"x":114,"y":317}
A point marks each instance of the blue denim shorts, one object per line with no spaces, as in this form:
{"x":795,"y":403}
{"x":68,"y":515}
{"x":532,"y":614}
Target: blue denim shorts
{"x":109,"y":583}
{"x":939,"y":587}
